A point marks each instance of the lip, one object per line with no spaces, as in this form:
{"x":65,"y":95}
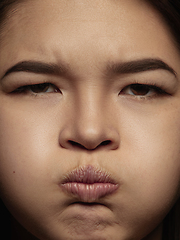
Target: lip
{"x":89,"y":184}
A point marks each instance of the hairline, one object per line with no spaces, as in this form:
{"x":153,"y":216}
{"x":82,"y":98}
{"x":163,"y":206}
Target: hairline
{"x":8,"y":11}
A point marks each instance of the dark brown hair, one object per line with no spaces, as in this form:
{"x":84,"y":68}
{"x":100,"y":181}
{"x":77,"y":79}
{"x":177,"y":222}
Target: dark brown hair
{"x":170,"y":11}
{"x":5,"y":6}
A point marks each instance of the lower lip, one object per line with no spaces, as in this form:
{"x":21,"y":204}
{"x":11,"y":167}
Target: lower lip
{"x":89,"y":192}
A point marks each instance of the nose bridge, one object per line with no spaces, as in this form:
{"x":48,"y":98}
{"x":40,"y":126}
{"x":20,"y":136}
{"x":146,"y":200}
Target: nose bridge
{"x":90,"y":127}
{"x":90,"y":113}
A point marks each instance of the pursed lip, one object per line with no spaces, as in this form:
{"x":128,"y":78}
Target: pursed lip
{"x":89,"y":184}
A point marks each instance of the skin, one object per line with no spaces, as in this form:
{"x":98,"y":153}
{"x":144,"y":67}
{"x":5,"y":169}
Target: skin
{"x":45,"y":135}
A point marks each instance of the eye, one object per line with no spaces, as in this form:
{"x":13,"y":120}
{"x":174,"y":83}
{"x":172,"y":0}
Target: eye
{"x":37,"y":88}
{"x":142,"y":90}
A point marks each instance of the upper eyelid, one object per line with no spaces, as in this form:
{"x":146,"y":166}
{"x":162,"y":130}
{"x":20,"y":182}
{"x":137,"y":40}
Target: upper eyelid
{"x":157,"y":89}
{"x":15,"y":81}
{"x":25,"y":87}
{"x":153,"y":86}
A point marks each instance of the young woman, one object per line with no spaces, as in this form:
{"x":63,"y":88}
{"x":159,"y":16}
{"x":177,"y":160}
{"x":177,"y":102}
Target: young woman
{"x":89,"y":119}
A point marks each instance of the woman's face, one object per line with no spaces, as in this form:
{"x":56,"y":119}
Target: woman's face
{"x":105,"y":114}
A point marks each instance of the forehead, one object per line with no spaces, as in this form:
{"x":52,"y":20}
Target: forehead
{"x":73,"y":15}
{"x":121,"y":28}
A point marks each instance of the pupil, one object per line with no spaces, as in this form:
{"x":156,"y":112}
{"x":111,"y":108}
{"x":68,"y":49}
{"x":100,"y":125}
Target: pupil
{"x":40,"y":87}
{"x":139,"y":89}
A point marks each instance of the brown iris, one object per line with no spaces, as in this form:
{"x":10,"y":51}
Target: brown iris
{"x":37,"y":88}
{"x":139,"y":89}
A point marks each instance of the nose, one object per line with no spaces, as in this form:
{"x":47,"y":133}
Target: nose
{"x":91,"y":127}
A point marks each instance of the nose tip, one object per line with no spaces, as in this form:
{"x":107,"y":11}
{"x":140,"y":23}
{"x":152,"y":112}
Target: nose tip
{"x":91,"y":124}
{"x":89,"y":138}
{"x":92,"y":139}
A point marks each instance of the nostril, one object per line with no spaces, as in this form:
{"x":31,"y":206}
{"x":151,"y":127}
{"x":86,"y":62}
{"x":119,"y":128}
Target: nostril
{"x":105,"y":143}
{"x":81,"y":138}
{"x":93,"y":147}
{"x":76,"y":144}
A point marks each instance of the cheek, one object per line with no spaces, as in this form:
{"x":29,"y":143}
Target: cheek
{"x":29,"y":170}
{"x":25,"y":143}
{"x":149,"y":168}
{"x":151,"y":161}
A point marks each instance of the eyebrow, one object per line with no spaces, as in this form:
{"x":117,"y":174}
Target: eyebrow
{"x":129,"y":67}
{"x":138,"y":66}
{"x":37,"y":67}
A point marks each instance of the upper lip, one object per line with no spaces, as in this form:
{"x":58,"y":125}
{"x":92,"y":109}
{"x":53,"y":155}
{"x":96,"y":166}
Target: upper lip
{"x":88,"y":184}
{"x":88,"y":175}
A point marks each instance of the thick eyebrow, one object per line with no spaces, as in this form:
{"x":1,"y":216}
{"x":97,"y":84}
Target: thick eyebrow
{"x":138,"y":66}
{"x":129,"y":67}
{"x":37,"y":67}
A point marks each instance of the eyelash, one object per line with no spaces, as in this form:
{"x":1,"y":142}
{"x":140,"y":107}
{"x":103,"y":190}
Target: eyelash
{"x":141,"y":91}
{"x":150,"y":91}
{"x":37,"y":89}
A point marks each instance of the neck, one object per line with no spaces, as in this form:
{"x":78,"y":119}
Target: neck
{"x":20,"y":233}
{"x":156,"y":234}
